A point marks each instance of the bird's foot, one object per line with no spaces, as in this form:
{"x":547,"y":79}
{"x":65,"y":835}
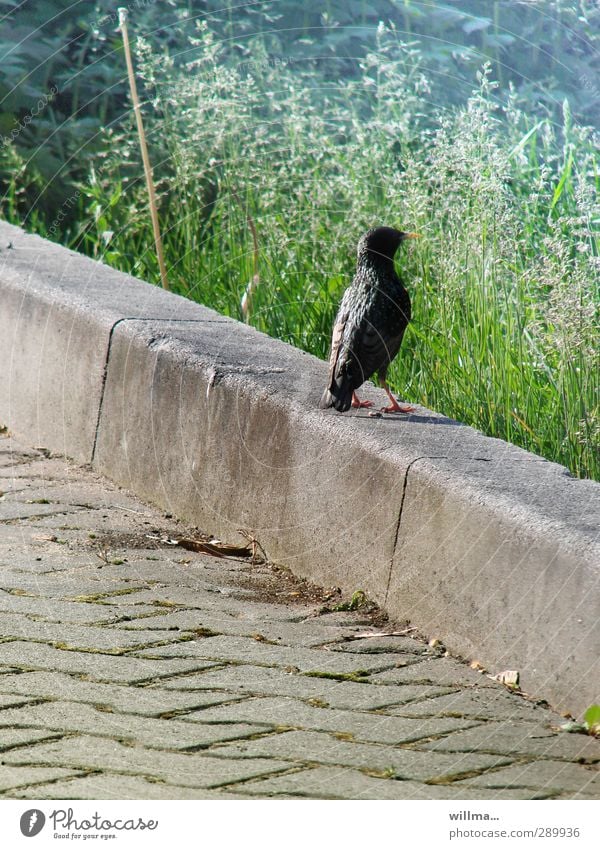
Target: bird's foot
{"x":357,"y":403}
{"x":394,"y":406}
{"x":397,"y":408}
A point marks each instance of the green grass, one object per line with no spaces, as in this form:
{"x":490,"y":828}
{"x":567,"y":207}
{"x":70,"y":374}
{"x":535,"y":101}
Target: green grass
{"x":504,"y":283}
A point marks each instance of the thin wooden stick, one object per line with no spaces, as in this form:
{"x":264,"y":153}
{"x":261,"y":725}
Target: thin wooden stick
{"x":246,"y":302}
{"x":144,"y":148}
{"x":253,"y":285}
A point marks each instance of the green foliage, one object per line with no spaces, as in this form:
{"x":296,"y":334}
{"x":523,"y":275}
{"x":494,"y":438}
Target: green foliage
{"x":357,"y":602}
{"x":504,"y":284}
{"x":591,"y":719}
{"x":590,"y":724}
{"x":317,"y":123}
{"x":62,"y":75}
{"x":61,"y":82}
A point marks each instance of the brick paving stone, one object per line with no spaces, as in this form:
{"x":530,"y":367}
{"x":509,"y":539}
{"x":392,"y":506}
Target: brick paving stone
{"x":74,"y":491}
{"x":140,"y":558}
{"x":554,"y":775}
{"x":240,"y":649}
{"x":484,"y":703}
{"x":258,"y":680}
{"x":523,"y":739}
{"x":180,"y":572}
{"x":378,"y":644}
{"x":324,"y":782}
{"x":186,"y":769}
{"x":71,"y":586}
{"x":360,"y":726}
{"x":11,"y":738}
{"x":146,"y":701}
{"x":576,"y":794}
{"x":46,"y":568}
{"x":11,"y":701}
{"x":107,"y":786}
{"x":103,"y":667}
{"x":442,"y":670}
{"x":309,"y":747}
{"x":101,"y":522}
{"x":11,"y":455}
{"x":111,"y":638}
{"x":220,"y":599}
{"x":307,"y":634}
{"x":58,"y":610}
{"x":16,"y":451}
{"x":155,"y":733}
{"x":14,"y":777}
{"x":20,"y":488}
{"x":196,"y":587}
{"x":14,"y":511}
{"x":138,"y":567}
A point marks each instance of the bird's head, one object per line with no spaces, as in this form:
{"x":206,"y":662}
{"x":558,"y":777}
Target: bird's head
{"x":382,"y":242}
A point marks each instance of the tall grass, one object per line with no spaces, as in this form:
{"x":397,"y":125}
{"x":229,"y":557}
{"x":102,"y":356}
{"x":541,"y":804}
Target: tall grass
{"x":504,"y":285}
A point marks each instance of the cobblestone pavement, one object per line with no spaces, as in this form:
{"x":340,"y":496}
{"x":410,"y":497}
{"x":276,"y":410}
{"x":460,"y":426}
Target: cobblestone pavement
{"x":131,"y":669}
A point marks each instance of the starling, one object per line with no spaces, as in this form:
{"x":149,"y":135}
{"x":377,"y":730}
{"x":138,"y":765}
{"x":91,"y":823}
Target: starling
{"x":370,"y":323}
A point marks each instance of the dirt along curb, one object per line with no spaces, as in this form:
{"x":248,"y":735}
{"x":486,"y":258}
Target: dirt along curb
{"x":486,"y":546}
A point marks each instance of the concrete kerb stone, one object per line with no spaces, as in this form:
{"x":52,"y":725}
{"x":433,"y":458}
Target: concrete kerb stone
{"x":58,"y":313}
{"x":217,"y":428}
{"x":486,"y":546}
{"x":522,"y":568}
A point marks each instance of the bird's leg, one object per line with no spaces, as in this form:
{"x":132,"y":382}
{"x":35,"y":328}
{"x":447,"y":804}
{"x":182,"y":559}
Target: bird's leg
{"x":394,"y":407}
{"x":357,"y":403}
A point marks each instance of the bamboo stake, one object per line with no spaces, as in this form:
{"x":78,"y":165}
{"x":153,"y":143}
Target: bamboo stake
{"x":144,"y":149}
{"x":246,"y":302}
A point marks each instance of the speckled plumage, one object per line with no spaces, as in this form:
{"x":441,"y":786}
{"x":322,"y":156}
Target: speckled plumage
{"x":371,"y":320}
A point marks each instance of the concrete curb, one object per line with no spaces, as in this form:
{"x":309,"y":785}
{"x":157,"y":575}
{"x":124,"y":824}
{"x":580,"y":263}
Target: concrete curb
{"x":492,"y":549}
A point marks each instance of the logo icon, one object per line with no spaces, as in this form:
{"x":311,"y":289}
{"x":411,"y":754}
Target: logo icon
{"x":32,"y":822}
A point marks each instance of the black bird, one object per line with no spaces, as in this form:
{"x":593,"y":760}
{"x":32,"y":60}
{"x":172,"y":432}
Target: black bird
{"x":370,"y":323}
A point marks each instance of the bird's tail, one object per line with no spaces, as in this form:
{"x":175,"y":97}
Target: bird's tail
{"x":338,"y":395}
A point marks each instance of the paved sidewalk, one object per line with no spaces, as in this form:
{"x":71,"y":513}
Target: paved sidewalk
{"x":131,"y":669}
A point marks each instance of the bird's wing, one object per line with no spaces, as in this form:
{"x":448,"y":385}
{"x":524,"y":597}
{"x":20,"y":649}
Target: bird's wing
{"x":374,"y":343}
{"x":336,"y":341}
{"x":371,"y":349}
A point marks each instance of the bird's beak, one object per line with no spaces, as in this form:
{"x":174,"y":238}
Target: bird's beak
{"x":412,"y":236}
